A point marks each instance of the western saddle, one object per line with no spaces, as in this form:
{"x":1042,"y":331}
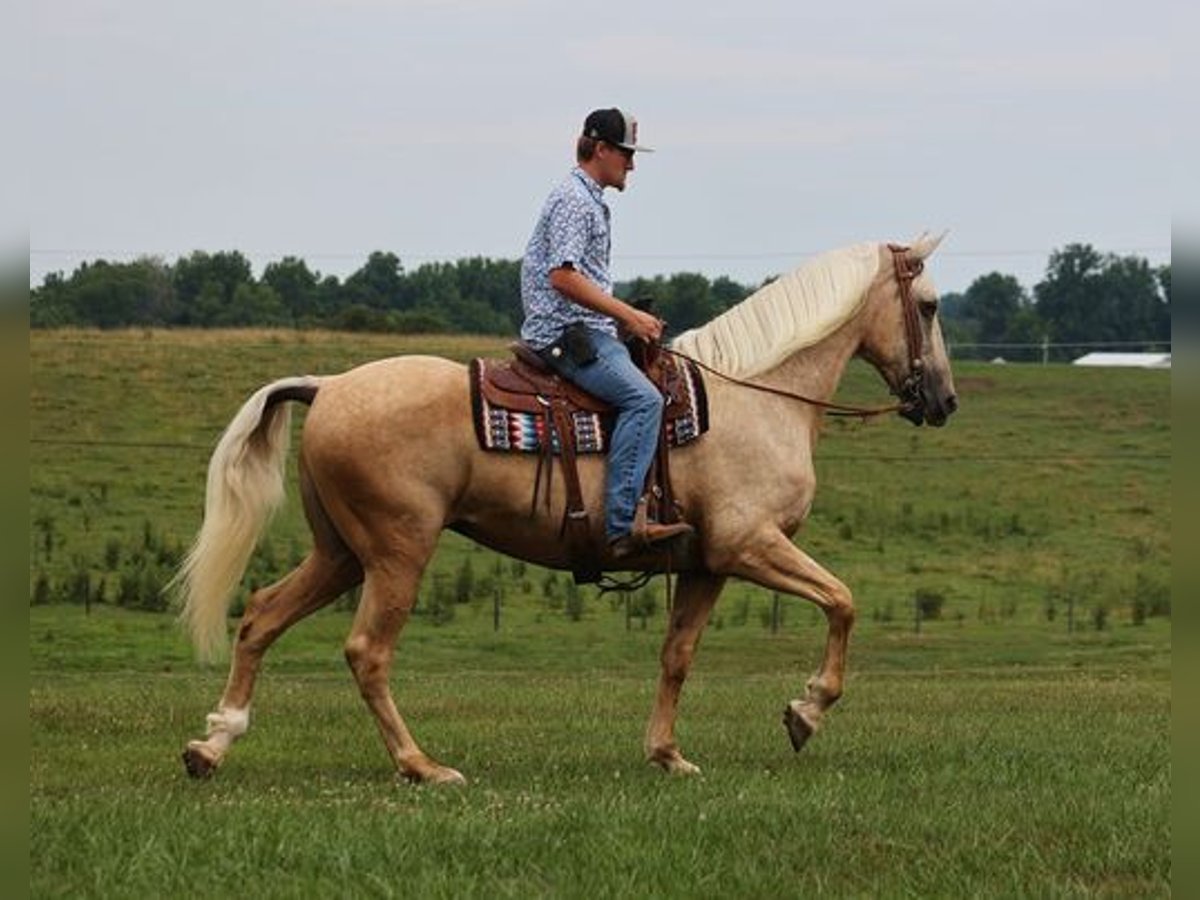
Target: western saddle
{"x":526,"y":384}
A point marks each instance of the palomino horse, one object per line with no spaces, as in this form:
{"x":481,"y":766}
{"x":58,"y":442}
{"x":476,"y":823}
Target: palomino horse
{"x":389,"y":458}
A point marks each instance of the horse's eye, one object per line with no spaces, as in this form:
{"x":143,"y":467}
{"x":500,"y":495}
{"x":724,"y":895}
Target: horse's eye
{"x":928,"y":305}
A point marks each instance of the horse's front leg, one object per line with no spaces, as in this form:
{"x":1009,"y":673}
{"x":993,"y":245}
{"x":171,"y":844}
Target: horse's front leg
{"x":694,"y":598}
{"x":774,"y":562}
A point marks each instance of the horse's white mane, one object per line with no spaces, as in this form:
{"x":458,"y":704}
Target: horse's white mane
{"x":793,"y":312}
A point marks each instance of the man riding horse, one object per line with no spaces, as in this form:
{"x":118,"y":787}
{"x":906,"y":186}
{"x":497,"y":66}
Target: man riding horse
{"x":572,"y":320}
{"x":390,"y":458}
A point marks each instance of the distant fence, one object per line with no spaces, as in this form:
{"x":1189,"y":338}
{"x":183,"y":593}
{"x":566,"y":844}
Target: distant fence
{"x":1050,"y":352}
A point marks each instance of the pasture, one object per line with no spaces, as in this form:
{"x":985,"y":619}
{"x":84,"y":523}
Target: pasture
{"x":1013,"y":741}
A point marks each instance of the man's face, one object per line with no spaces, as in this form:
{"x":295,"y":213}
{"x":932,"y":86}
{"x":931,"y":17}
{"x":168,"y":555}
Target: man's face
{"x":615,"y":164}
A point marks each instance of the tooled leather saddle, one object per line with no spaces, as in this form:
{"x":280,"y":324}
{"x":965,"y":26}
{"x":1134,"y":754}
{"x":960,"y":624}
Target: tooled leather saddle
{"x":522,"y":406}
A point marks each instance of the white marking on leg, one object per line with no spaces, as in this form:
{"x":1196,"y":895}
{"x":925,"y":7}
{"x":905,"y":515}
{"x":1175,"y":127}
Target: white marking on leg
{"x":225,"y":726}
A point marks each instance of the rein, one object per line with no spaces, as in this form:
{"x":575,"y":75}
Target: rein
{"x":833,"y":409}
{"x":906,"y":273}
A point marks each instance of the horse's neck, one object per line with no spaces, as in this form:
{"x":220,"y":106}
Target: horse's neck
{"x":815,"y":371}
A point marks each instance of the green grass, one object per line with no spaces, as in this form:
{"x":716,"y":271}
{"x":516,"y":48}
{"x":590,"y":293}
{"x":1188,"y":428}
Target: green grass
{"x":968,"y":760}
{"x":994,"y":753}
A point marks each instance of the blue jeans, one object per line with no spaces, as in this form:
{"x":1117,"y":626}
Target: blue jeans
{"x":614,"y":378}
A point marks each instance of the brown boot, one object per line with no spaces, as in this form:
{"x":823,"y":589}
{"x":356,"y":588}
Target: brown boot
{"x":646,"y":537}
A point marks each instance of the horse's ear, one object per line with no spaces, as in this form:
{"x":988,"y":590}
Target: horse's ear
{"x":923,"y":247}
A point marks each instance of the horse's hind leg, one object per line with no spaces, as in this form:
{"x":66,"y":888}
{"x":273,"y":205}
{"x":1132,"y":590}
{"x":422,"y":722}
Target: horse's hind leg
{"x":694,"y":599}
{"x":389,"y":593}
{"x":317,"y":581}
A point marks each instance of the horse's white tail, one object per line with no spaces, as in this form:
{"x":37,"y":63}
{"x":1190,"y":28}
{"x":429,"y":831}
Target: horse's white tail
{"x":245,"y":486}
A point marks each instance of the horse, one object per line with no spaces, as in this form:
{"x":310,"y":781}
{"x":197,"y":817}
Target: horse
{"x":389,"y":458}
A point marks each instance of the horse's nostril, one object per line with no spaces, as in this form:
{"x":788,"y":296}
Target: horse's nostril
{"x":951,"y":403}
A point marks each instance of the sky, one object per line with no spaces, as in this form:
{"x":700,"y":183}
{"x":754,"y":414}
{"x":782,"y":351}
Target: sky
{"x":434,"y":129}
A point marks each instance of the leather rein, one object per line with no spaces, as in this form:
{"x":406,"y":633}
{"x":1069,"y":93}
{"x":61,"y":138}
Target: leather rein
{"x":910,"y":389}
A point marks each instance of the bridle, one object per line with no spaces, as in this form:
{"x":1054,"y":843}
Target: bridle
{"x":909,"y":390}
{"x":906,"y":273}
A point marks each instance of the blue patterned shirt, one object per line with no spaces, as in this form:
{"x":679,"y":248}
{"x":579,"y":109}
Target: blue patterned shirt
{"x":573,"y":229}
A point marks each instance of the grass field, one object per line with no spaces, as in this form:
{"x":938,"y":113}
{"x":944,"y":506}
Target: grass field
{"x":995,"y":752}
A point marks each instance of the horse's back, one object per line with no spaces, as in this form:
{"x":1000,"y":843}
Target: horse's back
{"x":383,"y":412}
{"x":392,"y":386}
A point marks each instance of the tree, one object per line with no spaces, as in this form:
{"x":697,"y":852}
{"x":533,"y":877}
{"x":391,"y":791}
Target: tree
{"x":726,"y":293}
{"x":1087,"y":296}
{"x":495,"y":284}
{"x":1164,"y":286}
{"x":1164,"y":283}
{"x":205,"y":284}
{"x":378,"y":284}
{"x":992,"y":303}
{"x":255,"y":304}
{"x":107,"y":295}
{"x":686,"y":299}
{"x":49,"y":305}
{"x":688,"y":302}
{"x":295,"y":285}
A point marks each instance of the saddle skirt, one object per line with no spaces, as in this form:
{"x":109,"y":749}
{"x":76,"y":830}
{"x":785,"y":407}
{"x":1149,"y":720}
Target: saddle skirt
{"x":512,"y":399}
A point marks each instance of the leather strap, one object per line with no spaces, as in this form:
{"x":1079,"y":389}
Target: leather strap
{"x":575,"y":525}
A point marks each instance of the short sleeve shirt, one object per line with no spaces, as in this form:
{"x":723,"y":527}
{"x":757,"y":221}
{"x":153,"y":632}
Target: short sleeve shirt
{"x":573,"y":230}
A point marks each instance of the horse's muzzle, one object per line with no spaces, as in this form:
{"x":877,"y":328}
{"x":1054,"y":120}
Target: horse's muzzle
{"x":938,"y":411}
{"x":922,"y":410}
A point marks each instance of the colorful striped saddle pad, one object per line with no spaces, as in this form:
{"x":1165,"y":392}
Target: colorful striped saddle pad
{"x":512,"y":407}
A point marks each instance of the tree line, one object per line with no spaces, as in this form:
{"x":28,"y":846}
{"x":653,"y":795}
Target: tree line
{"x":1085,"y":297}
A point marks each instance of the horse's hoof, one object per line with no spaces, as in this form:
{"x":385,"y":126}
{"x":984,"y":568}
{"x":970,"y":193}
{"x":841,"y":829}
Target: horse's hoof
{"x":198,"y":763}
{"x":446,"y":775}
{"x":799,"y":729}
{"x":437,"y":775}
{"x":681,"y":767}
{"x":674,"y":764}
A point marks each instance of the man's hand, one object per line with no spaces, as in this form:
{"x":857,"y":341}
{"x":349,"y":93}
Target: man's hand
{"x":642,"y":325}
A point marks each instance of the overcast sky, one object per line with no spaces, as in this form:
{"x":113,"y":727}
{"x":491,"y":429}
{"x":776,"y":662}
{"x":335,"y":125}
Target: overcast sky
{"x":328,"y":129}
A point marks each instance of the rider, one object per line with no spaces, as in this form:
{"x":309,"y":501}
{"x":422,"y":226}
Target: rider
{"x":572,"y":320}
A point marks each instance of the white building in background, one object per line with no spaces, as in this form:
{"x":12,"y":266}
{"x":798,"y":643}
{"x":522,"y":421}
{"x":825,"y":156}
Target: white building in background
{"x":1136,"y":360}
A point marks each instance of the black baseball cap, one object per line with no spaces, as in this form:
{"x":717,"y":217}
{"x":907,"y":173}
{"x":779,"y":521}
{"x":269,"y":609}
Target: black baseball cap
{"x":613,"y":127}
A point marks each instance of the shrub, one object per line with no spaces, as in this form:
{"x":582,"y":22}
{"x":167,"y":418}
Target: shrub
{"x":929,"y":603}
{"x":1138,"y":609}
{"x":464,"y":582}
{"x":643,"y":604}
{"x":574,"y":602}
{"x":1155,"y":593}
{"x":78,"y":586}
{"x":741,"y":611}
{"x":43,"y":591}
